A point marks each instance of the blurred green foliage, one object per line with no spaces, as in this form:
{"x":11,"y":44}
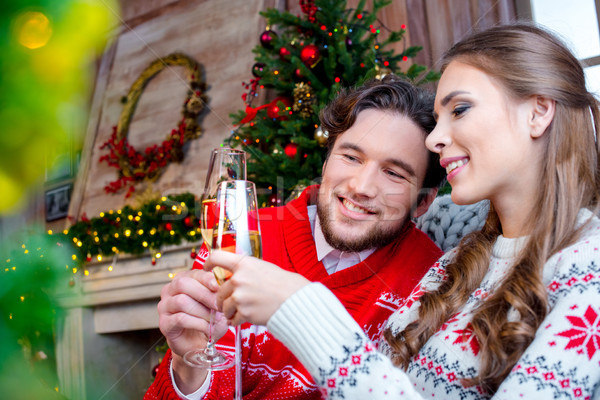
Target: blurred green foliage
{"x":48,"y":52}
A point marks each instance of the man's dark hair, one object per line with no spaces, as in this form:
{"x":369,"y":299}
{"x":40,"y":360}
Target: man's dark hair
{"x":393,"y":94}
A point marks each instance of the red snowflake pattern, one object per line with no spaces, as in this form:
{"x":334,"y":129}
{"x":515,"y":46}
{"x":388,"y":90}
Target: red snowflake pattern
{"x":467,"y":336}
{"x":585,"y":332}
{"x":414,"y":296}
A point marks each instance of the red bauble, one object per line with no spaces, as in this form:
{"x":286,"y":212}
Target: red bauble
{"x":187,"y":221}
{"x":193,"y":255}
{"x":277,"y":109}
{"x":291,"y":150}
{"x":267,"y":38}
{"x":298,"y":74}
{"x":284,"y":54}
{"x":310,"y":55}
{"x":155,"y":370}
{"x":169,"y":226}
{"x":153,"y":261}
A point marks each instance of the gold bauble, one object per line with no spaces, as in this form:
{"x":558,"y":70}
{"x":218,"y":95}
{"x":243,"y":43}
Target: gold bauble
{"x":321,"y":136}
{"x":381,"y":72}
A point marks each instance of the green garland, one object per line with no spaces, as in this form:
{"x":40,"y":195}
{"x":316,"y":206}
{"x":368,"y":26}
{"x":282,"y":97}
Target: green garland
{"x":158,"y":223}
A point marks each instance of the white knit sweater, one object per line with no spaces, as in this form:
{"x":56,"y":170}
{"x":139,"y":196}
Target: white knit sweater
{"x":562,"y":362}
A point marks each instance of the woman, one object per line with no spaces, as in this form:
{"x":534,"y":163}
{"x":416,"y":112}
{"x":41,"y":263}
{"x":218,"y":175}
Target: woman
{"x":513,"y":311}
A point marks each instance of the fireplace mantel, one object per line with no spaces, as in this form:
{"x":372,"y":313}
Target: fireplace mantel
{"x":105,"y":308}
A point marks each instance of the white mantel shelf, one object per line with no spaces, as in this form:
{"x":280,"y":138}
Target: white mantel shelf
{"x":104,"y":305}
{"x":131,"y":279}
{"x":125,"y":298}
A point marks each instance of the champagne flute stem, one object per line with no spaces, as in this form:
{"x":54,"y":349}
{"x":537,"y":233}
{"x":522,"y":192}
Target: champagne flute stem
{"x":210,"y":345}
{"x":238,"y":363}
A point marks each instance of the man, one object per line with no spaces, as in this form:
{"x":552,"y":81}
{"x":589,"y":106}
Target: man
{"x":353,"y":234}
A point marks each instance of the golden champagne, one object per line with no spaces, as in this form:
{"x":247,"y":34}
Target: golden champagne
{"x":248,"y":243}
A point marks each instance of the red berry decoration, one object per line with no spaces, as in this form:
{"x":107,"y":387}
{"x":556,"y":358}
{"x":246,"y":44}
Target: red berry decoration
{"x":169,"y":226}
{"x":267,"y":38}
{"x":298,"y":74}
{"x":291,"y":150}
{"x":155,"y":370}
{"x":284,"y":54}
{"x":310,"y":54}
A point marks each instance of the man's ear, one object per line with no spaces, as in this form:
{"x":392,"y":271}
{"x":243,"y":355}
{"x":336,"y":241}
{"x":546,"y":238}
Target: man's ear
{"x":541,"y":115}
{"x":427,"y":197}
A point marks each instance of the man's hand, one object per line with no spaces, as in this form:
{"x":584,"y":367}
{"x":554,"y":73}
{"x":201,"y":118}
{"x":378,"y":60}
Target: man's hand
{"x":183,"y":318}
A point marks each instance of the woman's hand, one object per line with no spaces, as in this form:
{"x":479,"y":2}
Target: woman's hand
{"x":256,"y":289}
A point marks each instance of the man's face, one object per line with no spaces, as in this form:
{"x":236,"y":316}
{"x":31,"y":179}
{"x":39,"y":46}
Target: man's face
{"x":371,"y":181}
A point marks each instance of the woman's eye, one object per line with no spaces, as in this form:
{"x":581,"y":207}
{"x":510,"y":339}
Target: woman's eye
{"x":459,"y":110}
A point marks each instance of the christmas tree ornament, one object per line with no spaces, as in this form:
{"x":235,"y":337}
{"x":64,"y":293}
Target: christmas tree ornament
{"x":284,"y":54}
{"x":274,"y":200}
{"x":290,"y":150}
{"x":155,"y":370}
{"x":297,"y":191}
{"x":193,"y":254}
{"x":381,"y":71}
{"x":257,"y":69}
{"x":308,"y":7}
{"x":169,"y":226}
{"x":321,"y":136}
{"x":298,"y":74}
{"x":304,"y":98}
{"x":310,"y":55}
{"x":348,"y":42}
{"x":267,"y":38}
{"x":277,"y":108}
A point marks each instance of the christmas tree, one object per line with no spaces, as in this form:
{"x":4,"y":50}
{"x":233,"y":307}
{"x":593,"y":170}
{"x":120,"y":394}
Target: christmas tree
{"x":301,"y":63}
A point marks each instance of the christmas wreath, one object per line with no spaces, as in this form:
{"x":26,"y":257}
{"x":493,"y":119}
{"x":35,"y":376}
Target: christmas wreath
{"x":137,"y":166}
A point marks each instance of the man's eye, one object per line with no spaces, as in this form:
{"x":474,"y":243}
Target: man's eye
{"x":350,"y":157}
{"x":394,"y":174}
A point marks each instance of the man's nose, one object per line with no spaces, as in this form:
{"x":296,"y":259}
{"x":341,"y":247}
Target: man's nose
{"x":364,"y":182}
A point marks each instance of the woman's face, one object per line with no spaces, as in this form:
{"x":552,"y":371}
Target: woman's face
{"x":483,"y":138}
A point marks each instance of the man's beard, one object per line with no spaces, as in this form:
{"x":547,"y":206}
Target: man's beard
{"x":375,"y":237}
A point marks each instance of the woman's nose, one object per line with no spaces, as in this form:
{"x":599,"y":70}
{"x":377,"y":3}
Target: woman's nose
{"x":438,"y":139}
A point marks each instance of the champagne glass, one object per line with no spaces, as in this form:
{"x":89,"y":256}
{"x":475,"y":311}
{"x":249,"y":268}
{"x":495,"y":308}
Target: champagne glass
{"x":237,"y":230}
{"x":224,"y":164}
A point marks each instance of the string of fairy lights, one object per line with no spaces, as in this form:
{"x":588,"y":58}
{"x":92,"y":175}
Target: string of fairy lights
{"x":166,"y":221}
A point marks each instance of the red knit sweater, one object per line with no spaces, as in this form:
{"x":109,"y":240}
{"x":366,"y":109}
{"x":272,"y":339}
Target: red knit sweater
{"x":370,"y":291}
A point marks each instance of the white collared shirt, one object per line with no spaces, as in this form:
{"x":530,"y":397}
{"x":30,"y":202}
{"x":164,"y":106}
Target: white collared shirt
{"x":334,"y":260}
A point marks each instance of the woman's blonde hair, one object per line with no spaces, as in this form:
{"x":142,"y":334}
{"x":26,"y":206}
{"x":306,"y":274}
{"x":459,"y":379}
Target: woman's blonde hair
{"x":527,"y":61}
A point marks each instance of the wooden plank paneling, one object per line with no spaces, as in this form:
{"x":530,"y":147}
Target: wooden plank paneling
{"x":219,"y":35}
